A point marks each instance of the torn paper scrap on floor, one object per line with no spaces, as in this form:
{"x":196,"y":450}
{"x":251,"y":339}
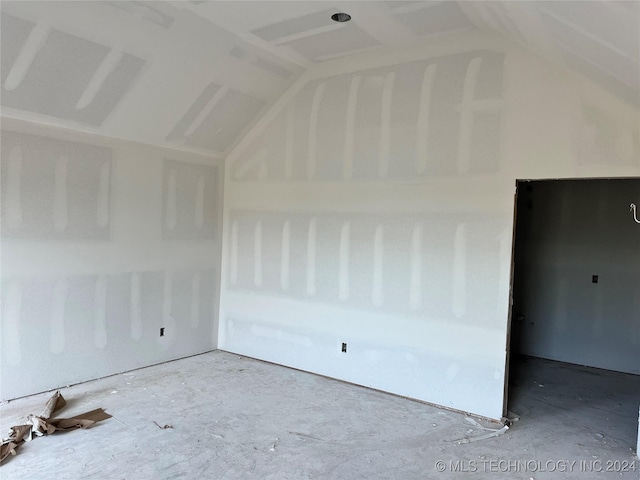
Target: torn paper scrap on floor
{"x":492,"y":432}
{"x":43,"y":424}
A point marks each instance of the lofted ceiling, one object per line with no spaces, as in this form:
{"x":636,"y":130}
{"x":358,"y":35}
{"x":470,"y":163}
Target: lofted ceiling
{"x":600,"y":39}
{"x":198,"y":74}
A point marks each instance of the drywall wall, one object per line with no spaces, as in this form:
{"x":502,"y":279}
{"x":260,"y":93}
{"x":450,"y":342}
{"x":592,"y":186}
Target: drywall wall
{"x":569,"y":231}
{"x":107,"y":238}
{"x":346,"y":158}
{"x":104,"y":243}
{"x":373,"y":206}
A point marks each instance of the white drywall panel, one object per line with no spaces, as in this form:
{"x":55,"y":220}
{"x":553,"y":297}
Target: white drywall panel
{"x":375,"y":208}
{"x":103,"y":243}
{"x":135,"y":71}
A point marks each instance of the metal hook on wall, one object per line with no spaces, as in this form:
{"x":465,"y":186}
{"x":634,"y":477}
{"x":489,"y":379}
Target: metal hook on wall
{"x":632,"y":207}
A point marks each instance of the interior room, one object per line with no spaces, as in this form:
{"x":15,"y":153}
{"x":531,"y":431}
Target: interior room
{"x":573,"y":333}
{"x":318,"y":239}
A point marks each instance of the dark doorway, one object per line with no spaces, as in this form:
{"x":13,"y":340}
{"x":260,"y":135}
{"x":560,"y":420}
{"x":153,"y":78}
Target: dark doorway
{"x":575,"y":317}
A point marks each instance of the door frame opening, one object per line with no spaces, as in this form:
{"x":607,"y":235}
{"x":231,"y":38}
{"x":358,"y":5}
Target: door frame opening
{"x":519,"y":184}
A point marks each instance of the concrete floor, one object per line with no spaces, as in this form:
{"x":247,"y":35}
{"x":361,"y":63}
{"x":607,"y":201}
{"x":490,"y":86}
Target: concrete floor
{"x":238,"y":418}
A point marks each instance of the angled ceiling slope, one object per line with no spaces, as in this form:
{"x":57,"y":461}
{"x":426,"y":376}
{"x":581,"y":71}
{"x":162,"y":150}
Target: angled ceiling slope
{"x":148,"y":72}
{"x":599,"y":39}
{"x":198,"y":74}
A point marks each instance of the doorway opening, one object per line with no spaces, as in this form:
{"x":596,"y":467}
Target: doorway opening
{"x":573,"y":354}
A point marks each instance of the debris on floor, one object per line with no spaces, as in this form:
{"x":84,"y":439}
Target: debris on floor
{"x":163,"y":427}
{"x":273,"y":447}
{"x":514,"y":417}
{"x":493,"y":432}
{"x":43,"y":424}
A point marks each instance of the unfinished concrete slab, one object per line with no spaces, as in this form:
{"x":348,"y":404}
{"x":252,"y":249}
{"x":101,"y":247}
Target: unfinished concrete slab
{"x":231,"y":417}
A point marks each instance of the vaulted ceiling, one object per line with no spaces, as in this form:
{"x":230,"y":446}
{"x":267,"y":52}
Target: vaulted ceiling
{"x":198,"y":74}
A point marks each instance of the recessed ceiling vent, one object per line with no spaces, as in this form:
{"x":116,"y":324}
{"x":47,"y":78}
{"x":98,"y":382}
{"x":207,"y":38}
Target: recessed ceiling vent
{"x":341,"y":17}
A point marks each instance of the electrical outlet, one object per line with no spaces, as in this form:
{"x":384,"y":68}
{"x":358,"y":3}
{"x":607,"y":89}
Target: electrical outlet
{"x":344,"y":348}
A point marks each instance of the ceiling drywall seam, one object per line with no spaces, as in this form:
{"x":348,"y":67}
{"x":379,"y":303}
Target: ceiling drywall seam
{"x":266,"y":118}
{"x":28,"y":125}
{"x":250,"y":76}
{"x":585,"y":88}
{"x":527,"y":20}
{"x":289,"y":55}
{"x":433,"y":47}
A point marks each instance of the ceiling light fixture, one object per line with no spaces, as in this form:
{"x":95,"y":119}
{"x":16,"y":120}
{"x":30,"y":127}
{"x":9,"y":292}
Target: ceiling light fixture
{"x":341,"y":17}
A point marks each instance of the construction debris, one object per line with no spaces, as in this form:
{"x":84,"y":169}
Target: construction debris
{"x":493,"y":432}
{"x":43,"y":424}
{"x":164,"y":427}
